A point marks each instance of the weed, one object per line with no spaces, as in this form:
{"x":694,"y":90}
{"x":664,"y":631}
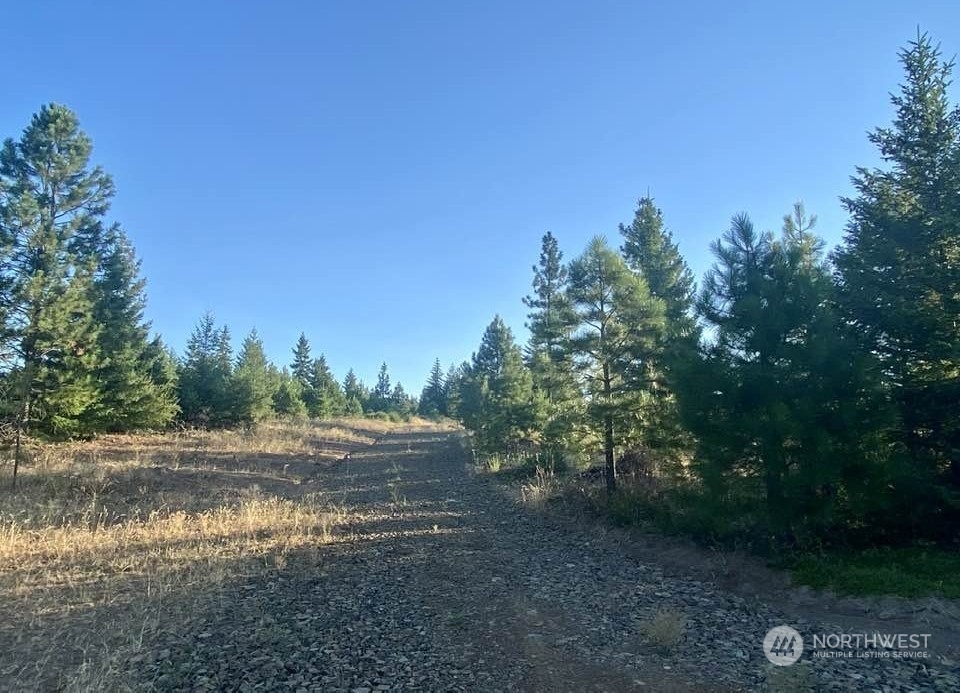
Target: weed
{"x":665,"y":628}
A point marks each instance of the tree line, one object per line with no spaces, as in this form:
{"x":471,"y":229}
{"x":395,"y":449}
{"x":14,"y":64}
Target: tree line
{"x":76,"y":354}
{"x":801,"y":395}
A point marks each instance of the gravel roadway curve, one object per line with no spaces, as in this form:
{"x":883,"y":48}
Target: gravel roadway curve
{"x":437,"y":582}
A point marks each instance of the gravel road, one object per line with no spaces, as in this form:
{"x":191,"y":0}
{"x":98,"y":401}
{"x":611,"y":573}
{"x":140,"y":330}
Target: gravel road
{"x":437,"y":582}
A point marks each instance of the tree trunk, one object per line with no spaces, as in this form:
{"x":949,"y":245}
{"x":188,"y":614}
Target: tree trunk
{"x":611,"y":462}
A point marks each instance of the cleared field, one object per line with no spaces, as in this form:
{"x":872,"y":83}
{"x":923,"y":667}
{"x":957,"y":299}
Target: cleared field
{"x":107,"y":542}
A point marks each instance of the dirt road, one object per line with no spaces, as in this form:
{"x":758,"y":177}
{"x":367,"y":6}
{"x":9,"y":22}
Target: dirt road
{"x":436,"y":582}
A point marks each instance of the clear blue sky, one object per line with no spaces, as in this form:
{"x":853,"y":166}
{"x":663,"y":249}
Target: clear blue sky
{"x":379,"y":174}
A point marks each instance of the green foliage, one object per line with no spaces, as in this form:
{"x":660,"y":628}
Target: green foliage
{"x":255,"y":382}
{"x":899,"y":271}
{"x":288,"y":399}
{"x":550,"y":322}
{"x":51,"y":210}
{"x":354,"y":391}
{"x":649,"y":250}
{"x":433,"y":399}
{"x":379,"y":399}
{"x":327,"y":399}
{"x":136,"y":379}
{"x":907,"y":572}
{"x":618,"y":337}
{"x":784,"y":393}
{"x":205,"y":376}
{"x":496,"y":398}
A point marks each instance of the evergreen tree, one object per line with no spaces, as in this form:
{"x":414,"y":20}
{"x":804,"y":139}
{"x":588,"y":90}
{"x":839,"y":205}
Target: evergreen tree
{"x":550,"y":322}
{"x":379,"y":399}
{"x":354,"y":394}
{"x":302,"y":370}
{"x":899,"y":267}
{"x":783,"y":393}
{"x":131,"y":396}
{"x":205,"y":395}
{"x":433,"y":398}
{"x":452,"y":386}
{"x":650,"y":252}
{"x":288,"y":399}
{"x":400,"y":402}
{"x":496,"y":397}
{"x":51,"y":210}
{"x":328,"y":398}
{"x":619,"y":334}
{"x":253,"y":383}
{"x":302,"y":366}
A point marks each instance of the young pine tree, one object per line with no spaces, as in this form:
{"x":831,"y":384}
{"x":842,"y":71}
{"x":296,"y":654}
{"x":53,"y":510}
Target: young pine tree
{"x":328,"y":399}
{"x":288,"y":399}
{"x":619,"y":334}
{"x":132,"y":395}
{"x":379,"y":399}
{"x":254,"y":385}
{"x":783,"y":394}
{"x":205,"y":374}
{"x":354,"y":393}
{"x":496,"y":396}
{"x":550,"y":322}
{"x":650,"y":252}
{"x":432,"y":399}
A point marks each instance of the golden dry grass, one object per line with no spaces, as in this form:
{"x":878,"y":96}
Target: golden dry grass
{"x":106,"y":542}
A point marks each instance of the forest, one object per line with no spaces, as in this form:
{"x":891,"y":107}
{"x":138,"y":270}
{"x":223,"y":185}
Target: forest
{"x":795,"y":395}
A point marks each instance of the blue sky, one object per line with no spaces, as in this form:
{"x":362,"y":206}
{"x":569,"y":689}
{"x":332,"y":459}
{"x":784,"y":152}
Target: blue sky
{"x":379,"y":174}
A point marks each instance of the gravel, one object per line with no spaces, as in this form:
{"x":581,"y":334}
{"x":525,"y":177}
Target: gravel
{"x":437,"y":582}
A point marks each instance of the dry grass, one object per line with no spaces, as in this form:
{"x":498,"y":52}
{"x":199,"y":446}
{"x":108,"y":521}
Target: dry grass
{"x":540,"y":489}
{"x":665,"y":628}
{"x":107,"y":543}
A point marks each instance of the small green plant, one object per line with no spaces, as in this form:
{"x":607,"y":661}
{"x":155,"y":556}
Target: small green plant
{"x":665,"y":628}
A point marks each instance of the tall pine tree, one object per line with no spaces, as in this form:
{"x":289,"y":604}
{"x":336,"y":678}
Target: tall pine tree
{"x":52,"y":206}
{"x":899,"y":266}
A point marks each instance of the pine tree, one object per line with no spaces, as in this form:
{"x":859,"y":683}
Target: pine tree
{"x":379,"y":399}
{"x":328,"y":398}
{"x":205,"y":395}
{"x":650,"y":252}
{"x":550,"y":322}
{"x":899,"y":266}
{"x":400,"y":402}
{"x":619,"y":333}
{"x":496,"y":397}
{"x":288,"y":399}
{"x":302,"y":370}
{"x":354,"y":393}
{"x":433,"y":398}
{"x":302,"y":366}
{"x":51,"y":210}
{"x":784,"y":394}
{"x":253,"y":383}
{"x":131,"y":396}
{"x":452,"y":387}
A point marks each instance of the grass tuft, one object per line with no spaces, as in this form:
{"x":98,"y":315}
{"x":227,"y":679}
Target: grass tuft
{"x":665,"y":628}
